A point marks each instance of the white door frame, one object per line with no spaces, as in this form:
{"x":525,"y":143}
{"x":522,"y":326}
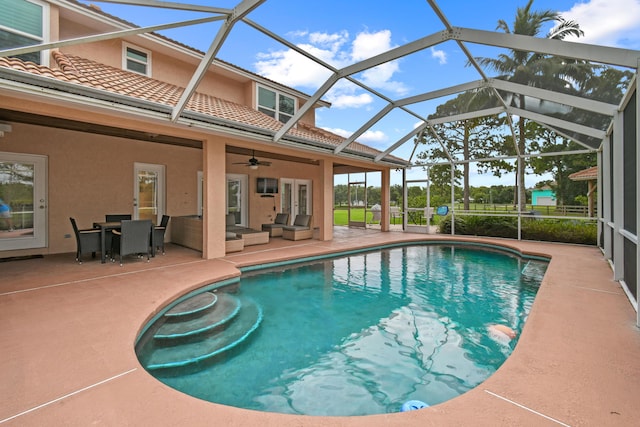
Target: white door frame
{"x":160,"y":196}
{"x":243,"y":179}
{"x":294,"y":203}
{"x":37,"y":239}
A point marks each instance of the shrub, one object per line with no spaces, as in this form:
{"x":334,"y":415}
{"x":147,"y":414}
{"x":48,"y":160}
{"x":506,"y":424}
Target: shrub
{"x":548,"y":230}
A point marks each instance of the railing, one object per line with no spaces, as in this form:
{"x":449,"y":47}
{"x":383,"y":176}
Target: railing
{"x":565,"y":210}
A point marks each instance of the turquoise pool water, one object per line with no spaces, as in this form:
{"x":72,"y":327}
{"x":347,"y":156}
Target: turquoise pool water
{"x":364,"y":333}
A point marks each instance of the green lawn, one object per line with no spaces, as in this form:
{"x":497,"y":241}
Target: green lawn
{"x":341,"y":215}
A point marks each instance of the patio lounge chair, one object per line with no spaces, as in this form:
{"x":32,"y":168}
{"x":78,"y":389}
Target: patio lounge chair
{"x":87,"y":240}
{"x":248,"y":235}
{"x":233,"y":243}
{"x":134,"y":237}
{"x":275,"y":229}
{"x":301,"y":229}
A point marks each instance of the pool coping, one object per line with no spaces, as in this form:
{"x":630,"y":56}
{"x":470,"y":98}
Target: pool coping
{"x":55,"y":373}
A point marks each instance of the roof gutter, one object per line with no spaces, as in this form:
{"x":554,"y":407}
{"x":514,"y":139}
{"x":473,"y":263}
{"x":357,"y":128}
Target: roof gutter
{"x":23,"y":82}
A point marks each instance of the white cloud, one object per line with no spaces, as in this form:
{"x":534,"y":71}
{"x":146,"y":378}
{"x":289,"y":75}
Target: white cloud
{"x":440,"y":55}
{"x":370,"y":137}
{"x":620,"y":28}
{"x":373,"y":137}
{"x":344,"y":100}
{"x":338,"y":50}
{"x":338,"y":131}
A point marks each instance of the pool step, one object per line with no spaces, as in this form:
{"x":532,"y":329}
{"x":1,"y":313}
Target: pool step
{"x":192,"y":306}
{"x":219,"y":340}
{"x":213,"y":313}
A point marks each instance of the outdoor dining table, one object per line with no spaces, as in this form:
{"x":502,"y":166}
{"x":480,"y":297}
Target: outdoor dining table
{"x":104,"y":228}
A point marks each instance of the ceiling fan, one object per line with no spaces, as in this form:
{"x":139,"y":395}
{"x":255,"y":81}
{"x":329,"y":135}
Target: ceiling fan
{"x":253,"y":163}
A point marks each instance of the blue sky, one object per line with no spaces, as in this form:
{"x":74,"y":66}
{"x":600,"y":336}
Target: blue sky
{"x":344,"y":32}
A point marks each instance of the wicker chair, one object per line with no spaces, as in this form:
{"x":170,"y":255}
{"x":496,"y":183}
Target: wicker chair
{"x":275,"y":229}
{"x":87,"y":240}
{"x":134,"y":237}
{"x":301,"y":229}
{"x":158,"y":235}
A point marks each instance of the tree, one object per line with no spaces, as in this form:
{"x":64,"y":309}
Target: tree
{"x":560,"y":166}
{"x":465,"y":139}
{"x":534,"y":69}
{"x":395,"y":195}
{"x":340,"y":195}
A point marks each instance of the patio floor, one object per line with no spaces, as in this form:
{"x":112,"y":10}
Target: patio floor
{"x":68,"y":330}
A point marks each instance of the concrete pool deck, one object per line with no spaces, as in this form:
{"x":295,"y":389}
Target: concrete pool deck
{"x":68,"y":330}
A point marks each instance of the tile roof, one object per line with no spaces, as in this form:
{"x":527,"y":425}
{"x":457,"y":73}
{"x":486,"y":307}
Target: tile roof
{"x":585,"y":175}
{"x":90,"y":74}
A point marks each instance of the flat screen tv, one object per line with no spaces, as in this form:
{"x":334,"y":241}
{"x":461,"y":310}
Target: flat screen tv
{"x":267,"y":185}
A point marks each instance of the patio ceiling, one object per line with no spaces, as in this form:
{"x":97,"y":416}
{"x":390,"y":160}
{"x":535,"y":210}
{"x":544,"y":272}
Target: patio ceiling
{"x":544,"y":106}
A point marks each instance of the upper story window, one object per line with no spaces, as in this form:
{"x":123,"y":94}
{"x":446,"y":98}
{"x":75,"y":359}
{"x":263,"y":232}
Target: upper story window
{"x":276,"y":104}
{"x":136,"y":59}
{"x":24,"y":23}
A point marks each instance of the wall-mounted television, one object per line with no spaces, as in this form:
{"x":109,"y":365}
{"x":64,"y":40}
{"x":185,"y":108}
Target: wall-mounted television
{"x":267,"y":185}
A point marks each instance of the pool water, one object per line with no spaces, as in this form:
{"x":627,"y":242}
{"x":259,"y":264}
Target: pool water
{"x":364,"y":333}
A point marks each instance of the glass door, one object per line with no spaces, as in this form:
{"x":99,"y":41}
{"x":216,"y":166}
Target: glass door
{"x":296,"y":197}
{"x":148,"y":197}
{"x":23,"y":202}
{"x":237,"y":191}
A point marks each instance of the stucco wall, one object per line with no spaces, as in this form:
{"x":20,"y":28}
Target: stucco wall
{"x":91,"y":175}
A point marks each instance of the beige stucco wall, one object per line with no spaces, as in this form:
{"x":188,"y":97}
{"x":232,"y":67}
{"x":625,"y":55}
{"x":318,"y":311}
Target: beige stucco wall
{"x":261,"y":208}
{"x":176,"y":68}
{"x":92,"y":175}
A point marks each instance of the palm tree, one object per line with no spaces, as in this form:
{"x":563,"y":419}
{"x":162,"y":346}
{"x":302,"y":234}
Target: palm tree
{"x":535,"y":69}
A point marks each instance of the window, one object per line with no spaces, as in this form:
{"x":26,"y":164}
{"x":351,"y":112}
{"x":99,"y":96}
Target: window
{"x":276,"y":105}
{"x":136,"y":59}
{"x":24,"y":23}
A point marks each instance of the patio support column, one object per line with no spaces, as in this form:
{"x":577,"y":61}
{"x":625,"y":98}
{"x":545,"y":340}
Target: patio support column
{"x":213,"y":199}
{"x":325,"y":210}
{"x":385,"y":199}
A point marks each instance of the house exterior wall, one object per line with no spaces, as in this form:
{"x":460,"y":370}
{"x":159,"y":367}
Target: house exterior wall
{"x":92,"y":175}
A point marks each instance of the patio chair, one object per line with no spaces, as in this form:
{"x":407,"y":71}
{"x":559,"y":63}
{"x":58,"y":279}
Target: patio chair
{"x":134,"y":237}
{"x":87,"y":240}
{"x":158,"y":234}
{"x":275,"y":229}
{"x":113,"y":218}
{"x":301,"y":228}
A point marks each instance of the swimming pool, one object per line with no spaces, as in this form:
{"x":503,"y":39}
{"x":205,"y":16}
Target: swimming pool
{"x":353,"y":335}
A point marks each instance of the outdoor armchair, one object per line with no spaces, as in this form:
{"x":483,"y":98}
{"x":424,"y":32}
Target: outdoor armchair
{"x":275,"y":229}
{"x":301,"y":228}
{"x":158,"y":234}
{"x":134,"y":237}
{"x":87,"y":240}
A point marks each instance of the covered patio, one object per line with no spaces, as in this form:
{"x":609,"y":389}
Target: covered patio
{"x":69,"y":358}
